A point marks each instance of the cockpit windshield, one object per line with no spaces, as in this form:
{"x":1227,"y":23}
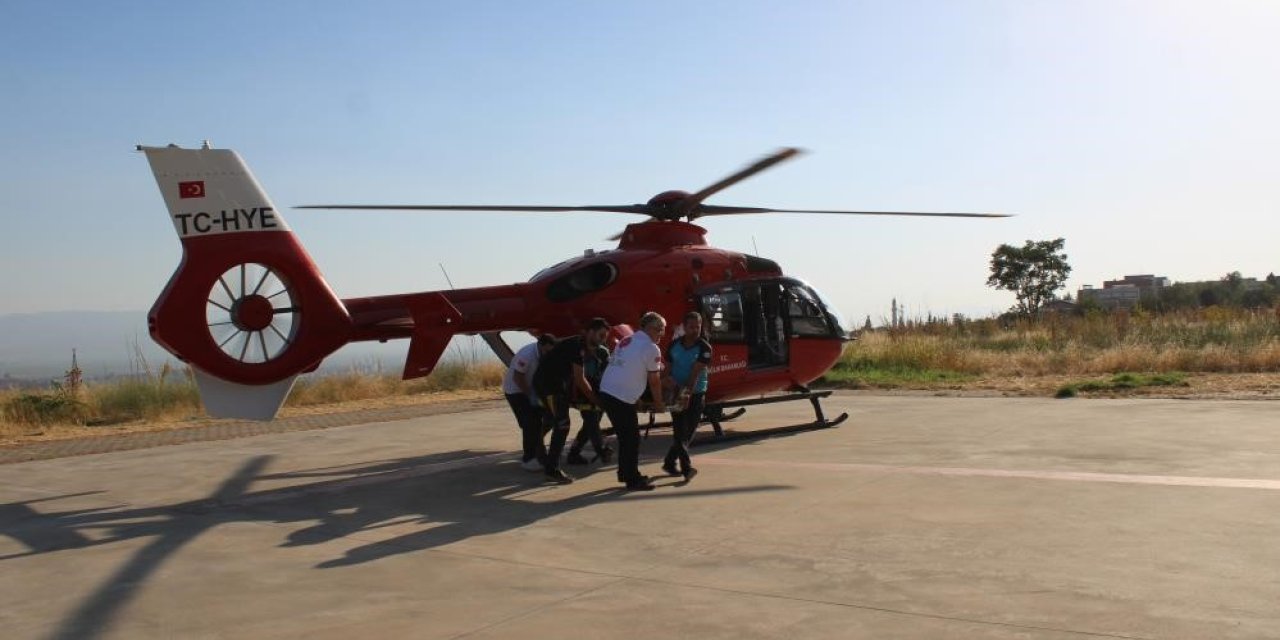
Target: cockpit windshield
{"x":841,"y":327}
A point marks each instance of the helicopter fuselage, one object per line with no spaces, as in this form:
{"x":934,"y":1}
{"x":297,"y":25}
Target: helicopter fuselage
{"x":770,"y":332}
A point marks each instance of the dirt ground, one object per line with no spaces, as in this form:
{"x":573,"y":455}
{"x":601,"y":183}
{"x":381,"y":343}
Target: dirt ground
{"x":1209,"y":386}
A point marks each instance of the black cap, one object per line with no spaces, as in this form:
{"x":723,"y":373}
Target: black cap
{"x":546,"y":340}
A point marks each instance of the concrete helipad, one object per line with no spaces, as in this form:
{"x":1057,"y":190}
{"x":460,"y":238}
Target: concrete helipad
{"x":920,"y":517}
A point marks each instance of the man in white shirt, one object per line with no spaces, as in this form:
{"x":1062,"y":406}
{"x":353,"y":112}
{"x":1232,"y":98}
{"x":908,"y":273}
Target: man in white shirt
{"x":636,"y":364}
{"x":517,"y":384}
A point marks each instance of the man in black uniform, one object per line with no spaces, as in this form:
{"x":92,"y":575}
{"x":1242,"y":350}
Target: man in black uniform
{"x":593,"y":363}
{"x":559,"y":371}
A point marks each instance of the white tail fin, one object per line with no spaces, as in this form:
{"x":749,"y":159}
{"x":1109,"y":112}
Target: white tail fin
{"x":210,"y":192}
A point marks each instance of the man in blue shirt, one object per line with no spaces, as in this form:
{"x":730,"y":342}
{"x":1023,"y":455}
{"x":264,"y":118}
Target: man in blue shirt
{"x":688,"y":361}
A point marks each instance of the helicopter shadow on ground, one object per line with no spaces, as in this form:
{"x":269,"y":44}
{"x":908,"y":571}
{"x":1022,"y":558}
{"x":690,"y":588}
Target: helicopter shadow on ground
{"x":444,"y":498}
{"x":470,"y":502}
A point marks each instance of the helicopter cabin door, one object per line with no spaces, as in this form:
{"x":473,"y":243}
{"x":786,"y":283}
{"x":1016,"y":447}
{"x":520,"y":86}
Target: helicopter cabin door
{"x":752,"y":314}
{"x":763,"y":308}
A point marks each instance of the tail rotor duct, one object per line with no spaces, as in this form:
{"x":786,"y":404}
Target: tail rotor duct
{"x":251,"y":313}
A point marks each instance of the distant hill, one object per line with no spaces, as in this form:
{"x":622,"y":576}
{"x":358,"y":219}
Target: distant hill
{"x":37,"y":346}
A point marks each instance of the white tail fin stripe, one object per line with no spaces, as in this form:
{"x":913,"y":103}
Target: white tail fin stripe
{"x":210,"y":192}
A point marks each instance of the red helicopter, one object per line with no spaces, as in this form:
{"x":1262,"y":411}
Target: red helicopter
{"x":249,"y":310}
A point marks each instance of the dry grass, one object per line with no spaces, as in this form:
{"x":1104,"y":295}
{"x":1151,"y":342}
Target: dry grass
{"x":356,"y":385}
{"x":169,"y":398}
{"x":1214,"y":340}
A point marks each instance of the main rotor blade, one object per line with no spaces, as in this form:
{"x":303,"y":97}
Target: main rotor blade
{"x":690,"y":203}
{"x":714,"y":210}
{"x":625,"y":208}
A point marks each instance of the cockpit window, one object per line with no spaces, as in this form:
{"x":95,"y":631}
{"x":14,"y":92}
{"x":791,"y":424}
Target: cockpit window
{"x":806,"y":314}
{"x":840,"y":326}
{"x":724,"y":315}
{"x":579,"y":282}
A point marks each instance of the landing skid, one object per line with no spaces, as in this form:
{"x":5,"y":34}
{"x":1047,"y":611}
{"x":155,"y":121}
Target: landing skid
{"x":715,"y":414}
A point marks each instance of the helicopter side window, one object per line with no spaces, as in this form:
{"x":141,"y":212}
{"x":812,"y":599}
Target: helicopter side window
{"x":579,"y":282}
{"x":807,"y":317}
{"x":724,"y":315}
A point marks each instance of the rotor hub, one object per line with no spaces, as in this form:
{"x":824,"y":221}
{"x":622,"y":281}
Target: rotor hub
{"x":666,"y":205}
{"x":252,"y":313}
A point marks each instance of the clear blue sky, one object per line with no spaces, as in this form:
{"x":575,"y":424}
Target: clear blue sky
{"x":1145,"y":133}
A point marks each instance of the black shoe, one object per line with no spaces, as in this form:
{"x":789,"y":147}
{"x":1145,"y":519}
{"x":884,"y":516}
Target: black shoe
{"x":640,"y":484}
{"x":558,"y":476}
{"x":576,"y":458}
{"x":670,"y":469}
{"x":605,"y":456}
{"x":689,"y":474}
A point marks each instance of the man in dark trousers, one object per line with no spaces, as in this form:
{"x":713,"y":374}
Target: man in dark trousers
{"x":560,"y":371}
{"x":594,"y":362}
{"x":635,"y":365}
{"x":688,"y":360}
{"x":517,"y":385}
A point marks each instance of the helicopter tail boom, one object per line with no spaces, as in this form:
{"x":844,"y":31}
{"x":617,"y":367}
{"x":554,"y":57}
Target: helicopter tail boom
{"x":246,"y":308}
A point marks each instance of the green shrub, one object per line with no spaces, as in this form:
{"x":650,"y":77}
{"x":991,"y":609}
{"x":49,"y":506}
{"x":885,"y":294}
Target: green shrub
{"x":1123,"y":381}
{"x":53,"y":407}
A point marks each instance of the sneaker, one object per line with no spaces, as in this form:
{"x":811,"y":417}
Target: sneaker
{"x":670,"y":469}
{"x":532,"y":464}
{"x":689,"y":474}
{"x":559,"y":477}
{"x":576,"y":458}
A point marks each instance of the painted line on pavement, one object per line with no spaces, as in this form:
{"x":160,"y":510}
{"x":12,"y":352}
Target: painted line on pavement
{"x":1073,"y":476}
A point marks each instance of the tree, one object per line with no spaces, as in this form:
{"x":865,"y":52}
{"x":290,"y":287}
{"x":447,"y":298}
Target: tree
{"x":1234,"y":280}
{"x":1258,"y":298}
{"x":1032,"y":272}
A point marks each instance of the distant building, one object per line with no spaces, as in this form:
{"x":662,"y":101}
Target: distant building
{"x":1059,"y":306}
{"x":1125,"y":296}
{"x":1123,"y":293}
{"x":1145,"y":283}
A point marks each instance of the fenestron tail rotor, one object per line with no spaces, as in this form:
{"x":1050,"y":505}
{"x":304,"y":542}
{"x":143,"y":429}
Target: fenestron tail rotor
{"x":251,"y":313}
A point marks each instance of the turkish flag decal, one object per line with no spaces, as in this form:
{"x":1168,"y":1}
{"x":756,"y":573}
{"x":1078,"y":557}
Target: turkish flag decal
{"x":193,"y":189}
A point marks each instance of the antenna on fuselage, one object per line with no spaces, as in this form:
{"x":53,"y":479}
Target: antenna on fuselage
{"x":446,"y":275}
{"x":457,"y":349}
